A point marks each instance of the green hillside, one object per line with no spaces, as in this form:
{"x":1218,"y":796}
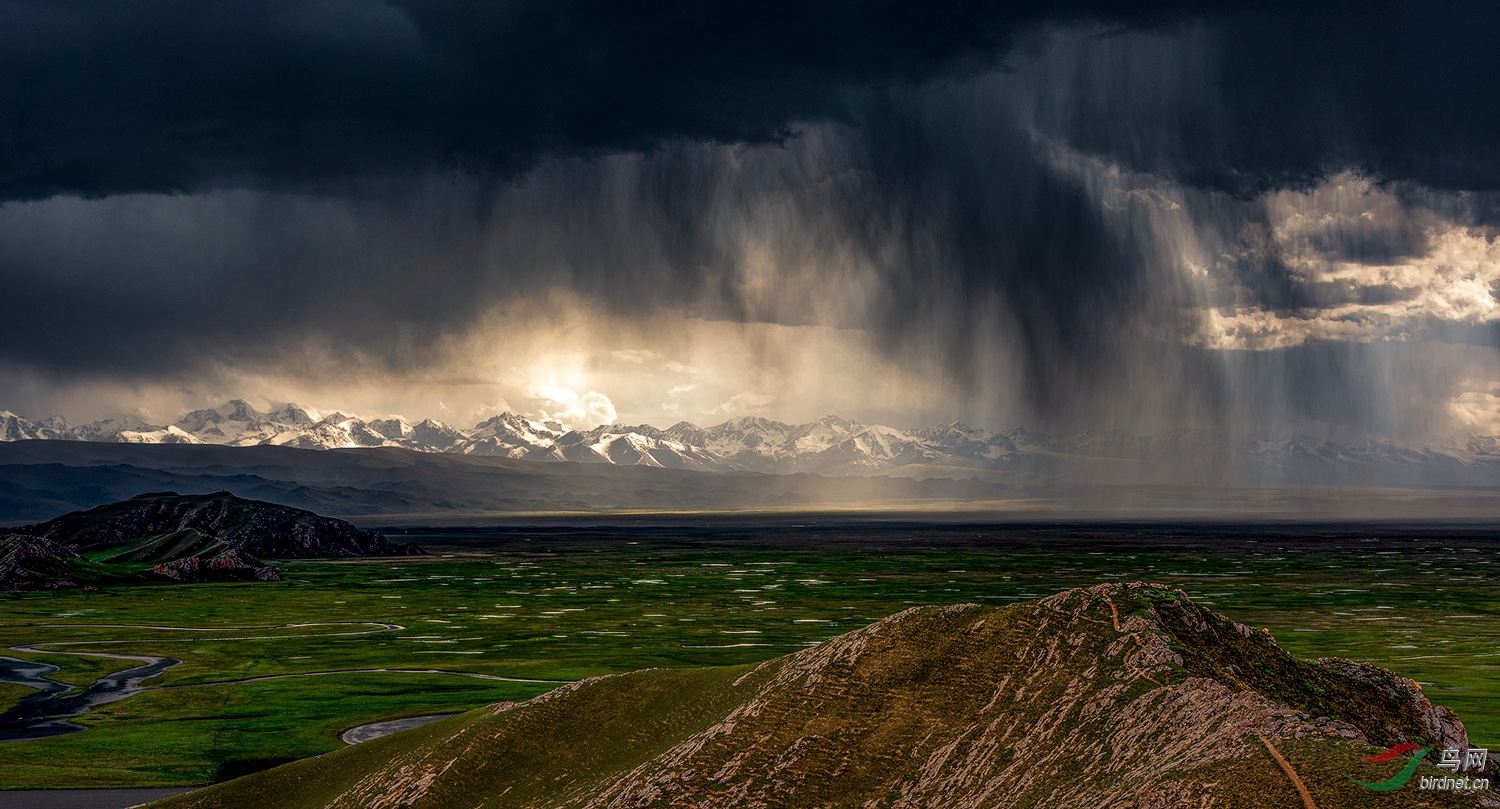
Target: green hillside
{"x":1115,"y":695}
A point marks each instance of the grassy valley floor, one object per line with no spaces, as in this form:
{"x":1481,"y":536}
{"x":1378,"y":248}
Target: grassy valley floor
{"x":393,"y":637}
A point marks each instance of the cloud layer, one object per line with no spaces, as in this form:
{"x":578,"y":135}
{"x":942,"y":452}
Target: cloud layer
{"x":1131,"y":216}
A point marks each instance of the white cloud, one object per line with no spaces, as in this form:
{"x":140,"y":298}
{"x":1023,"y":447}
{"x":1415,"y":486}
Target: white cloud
{"x":635,"y":355}
{"x":1452,"y":278}
{"x":745,"y":404}
{"x":553,"y":402}
{"x":1477,"y":407}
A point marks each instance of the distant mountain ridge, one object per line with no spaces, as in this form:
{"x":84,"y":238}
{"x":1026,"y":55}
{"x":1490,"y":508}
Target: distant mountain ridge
{"x":828,"y":445}
{"x":831,"y":446}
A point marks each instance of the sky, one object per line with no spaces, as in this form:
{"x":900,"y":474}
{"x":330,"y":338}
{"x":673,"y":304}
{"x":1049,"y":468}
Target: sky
{"x":1260,"y":219}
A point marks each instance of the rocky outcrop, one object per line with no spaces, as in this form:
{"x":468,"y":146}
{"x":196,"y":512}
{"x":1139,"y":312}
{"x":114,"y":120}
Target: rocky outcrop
{"x":231,"y":566}
{"x":1434,"y":722}
{"x":34,"y":563}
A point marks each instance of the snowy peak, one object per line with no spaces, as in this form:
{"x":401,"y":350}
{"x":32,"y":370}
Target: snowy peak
{"x":436,"y":434}
{"x":510,"y":425}
{"x":512,"y":436}
{"x":121,"y":430}
{"x":394,"y":429}
{"x":237,"y":423}
{"x":15,"y":428}
{"x":747,"y":442}
{"x":295,"y":415}
{"x":240,"y":410}
{"x":165,"y":435}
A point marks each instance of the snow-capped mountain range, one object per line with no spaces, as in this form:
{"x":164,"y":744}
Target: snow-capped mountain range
{"x":829,"y":446}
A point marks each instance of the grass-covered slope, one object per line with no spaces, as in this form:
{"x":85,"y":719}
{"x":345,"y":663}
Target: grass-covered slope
{"x":1111,"y":696}
{"x":183,"y":537}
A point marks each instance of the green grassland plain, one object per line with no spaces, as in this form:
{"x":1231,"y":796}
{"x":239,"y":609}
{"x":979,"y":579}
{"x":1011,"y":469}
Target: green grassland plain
{"x":562,"y":603}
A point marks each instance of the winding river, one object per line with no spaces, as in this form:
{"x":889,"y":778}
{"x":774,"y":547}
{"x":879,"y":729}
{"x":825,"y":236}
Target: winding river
{"x":46,"y":713}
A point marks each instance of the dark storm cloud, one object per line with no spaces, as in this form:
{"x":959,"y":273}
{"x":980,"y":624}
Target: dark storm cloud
{"x":352,"y":98}
{"x":366,"y":179}
{"x":99,"y":97}
{"x":152,"y":285}
{"x":1249,"y":100}
{"x":993,"y":243}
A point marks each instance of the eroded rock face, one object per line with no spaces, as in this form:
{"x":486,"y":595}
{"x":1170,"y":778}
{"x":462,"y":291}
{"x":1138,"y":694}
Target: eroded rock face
{"x":34,"y":563}
{"x":1121,"y":695}
{"x":231,"y":566}
{"x":1437,"y":723}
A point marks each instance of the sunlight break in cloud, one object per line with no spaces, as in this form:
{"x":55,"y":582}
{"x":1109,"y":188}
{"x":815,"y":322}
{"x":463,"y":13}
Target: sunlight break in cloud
{"x":553,"y":402}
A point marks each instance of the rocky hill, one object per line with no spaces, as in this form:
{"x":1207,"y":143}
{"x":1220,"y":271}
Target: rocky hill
{"x":180,"y":537}
{"x":34,"y":563}
{"x":1122,"y":695}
